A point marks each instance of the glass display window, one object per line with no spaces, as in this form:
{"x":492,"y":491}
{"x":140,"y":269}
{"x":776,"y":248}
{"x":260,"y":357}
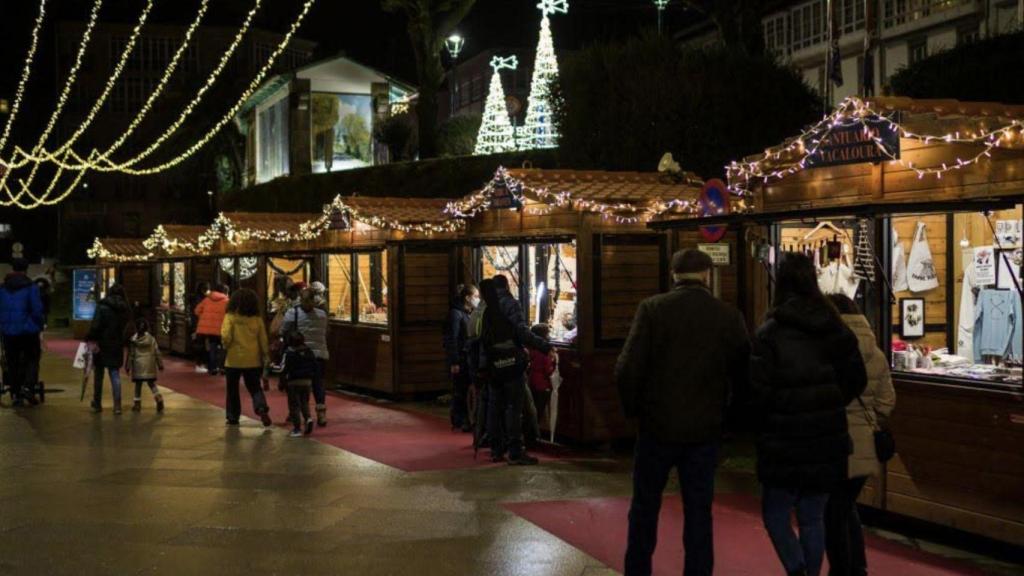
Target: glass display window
{"x":166,"y":283}
{"x":108,"y":278}
{"x":179,"y":288}
{"x":282,"y":274}
{"x":958,"y":308}
{"x":372,"y":287}
{"x":504,"y":261}
{"x":339,"y":286}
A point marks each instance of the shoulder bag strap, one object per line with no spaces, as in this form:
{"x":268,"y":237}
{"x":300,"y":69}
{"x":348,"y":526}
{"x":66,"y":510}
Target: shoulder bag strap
{"x":872,"y":421}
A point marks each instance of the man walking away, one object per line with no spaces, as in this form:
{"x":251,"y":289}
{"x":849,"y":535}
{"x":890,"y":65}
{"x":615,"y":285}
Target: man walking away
{"x":686,"y":355}
{"x":21,"y":321}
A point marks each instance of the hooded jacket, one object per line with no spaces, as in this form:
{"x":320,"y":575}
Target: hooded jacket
{"x":806,"y":367}
{"x":144,"y":357}
{"x":686,"y":356}
{"x":872,"y":409}
{"x":21,"y":307}
{"x":210,"y":313}
{"x":245,"y":339}
{"x":109,"y":331}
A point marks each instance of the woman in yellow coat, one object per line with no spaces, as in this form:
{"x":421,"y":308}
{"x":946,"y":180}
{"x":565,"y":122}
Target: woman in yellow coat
{"x":844,"y":540}
{"x":244,"y":337}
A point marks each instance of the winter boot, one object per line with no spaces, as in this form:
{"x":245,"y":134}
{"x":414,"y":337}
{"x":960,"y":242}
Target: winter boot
{"x":136,"y":405}
{"x":117,"y":407}
{"x":159,"y":402}
{"x":321,"y":415}
{"x":95,"y":407}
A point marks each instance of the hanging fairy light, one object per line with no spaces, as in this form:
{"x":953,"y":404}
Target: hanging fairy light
{"x":852,"y":112}
{"x":539,"y":129}
{"x":26,"y":72}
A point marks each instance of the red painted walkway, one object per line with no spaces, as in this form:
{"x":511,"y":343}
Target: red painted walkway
{"x":404,"y":439}
{"x":741,"y":544}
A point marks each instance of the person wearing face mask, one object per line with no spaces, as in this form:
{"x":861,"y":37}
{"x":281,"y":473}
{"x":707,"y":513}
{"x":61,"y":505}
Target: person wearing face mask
{"x":456,"y":347}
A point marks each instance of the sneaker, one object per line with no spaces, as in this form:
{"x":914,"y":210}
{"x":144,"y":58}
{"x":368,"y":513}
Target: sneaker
{"x":523,"y":460}
{"x":201,"y":370}
{"x":295,"y":433}
{"x":136,"y":406}
{"x":265,"y":418}
{"x":309,"y":426}
{"x":117,"y":409}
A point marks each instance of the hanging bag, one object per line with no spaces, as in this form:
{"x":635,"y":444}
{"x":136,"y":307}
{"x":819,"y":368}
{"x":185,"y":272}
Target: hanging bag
{"x":921,"y":276}
{"x":899,"y":264}
{"x":885,"y":443}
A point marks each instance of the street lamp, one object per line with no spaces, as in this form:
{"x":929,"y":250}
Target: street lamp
{"x":454,"y":44}
{"x":660,"y":5}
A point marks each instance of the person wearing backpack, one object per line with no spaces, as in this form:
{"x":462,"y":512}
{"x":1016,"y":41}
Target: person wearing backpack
{"x":456,"y":347}
{"x":504,"y":336}
{"x":21,"y":322}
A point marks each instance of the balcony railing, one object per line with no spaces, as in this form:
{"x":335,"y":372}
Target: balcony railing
{"x":900,"y":12}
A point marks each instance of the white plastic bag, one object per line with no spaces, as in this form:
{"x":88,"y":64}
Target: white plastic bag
{"x":81,"y":356}
{"x":899,"y":265}
{"x":921,"y":276}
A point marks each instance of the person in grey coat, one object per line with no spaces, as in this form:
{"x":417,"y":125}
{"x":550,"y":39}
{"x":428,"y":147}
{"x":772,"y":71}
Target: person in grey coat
{"x":311,"y":321}
{"x":685,"y":357}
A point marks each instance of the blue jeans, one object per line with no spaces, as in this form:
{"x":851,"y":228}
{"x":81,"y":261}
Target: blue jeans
{"x":797,"y":553}
{"x":115,"y":385}
{"x":213,"y":348}
{"x":319,"y":390}
{"x":652,"y":464}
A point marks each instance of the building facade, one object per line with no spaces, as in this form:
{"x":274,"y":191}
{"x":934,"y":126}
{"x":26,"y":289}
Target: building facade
{"x":877,"y":38}
{"x":468,"y":81}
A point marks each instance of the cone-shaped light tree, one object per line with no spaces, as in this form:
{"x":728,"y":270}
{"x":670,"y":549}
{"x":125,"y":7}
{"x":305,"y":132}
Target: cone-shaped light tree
{"x":539,"y":129}
{"x":496,"y":133}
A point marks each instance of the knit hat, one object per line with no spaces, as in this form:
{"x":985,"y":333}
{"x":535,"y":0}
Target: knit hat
{"x":690,"y":262}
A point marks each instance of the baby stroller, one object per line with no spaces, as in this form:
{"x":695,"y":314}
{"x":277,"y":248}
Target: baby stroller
{"x":5,"y":387}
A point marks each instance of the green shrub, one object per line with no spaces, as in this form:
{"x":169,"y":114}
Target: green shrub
{"x":457,"y":136}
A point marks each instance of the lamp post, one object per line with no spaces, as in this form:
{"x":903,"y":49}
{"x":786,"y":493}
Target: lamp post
{"x":454,"y":44}
{"x":660,"y":5}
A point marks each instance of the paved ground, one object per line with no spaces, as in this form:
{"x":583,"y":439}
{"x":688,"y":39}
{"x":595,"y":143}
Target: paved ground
{"x":181,"y":494}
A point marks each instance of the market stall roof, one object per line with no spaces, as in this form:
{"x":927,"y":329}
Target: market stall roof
{"x":633,"y":195}
{"x":238,"y":227}
{"x":176,"y":239}
{"x":403,"y":214}
{"x":121,"y":250}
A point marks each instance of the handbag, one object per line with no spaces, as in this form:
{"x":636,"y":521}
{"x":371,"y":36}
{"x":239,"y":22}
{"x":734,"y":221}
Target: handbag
{"x":885,"y":442}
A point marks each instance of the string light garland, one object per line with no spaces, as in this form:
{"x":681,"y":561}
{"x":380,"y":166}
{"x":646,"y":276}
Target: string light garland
{"x":853,"y":112}
{"x":496,"y":134}
{"x":100,"y":252}
{"x":539,"y":129}
{"x":101,"y":162}
{"x":621,"y":212}
{"x":161,"y":240}
{"x":26,"y":73}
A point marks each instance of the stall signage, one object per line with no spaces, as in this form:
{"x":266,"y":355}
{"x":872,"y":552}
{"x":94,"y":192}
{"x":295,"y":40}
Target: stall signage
{"x":502,"y":197}
{"x":84,"y":293}
{"x":720,"y":253}
{"x":856,"y":143}
{"x":984,"y":266}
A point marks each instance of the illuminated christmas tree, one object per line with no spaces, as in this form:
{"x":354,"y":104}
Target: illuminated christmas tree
{"x":496,"y":133}
{"x":539,"y":130}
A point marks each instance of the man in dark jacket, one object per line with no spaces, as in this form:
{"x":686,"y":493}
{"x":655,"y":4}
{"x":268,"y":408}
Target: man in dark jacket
{"x":21,"y":321}
{"x":504,"y":333}
{"x":108,"y":335}
{"x":685,"y":357}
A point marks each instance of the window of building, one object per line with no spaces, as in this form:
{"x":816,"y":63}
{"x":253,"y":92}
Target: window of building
{"x":272,"y":145}
{"x":960,"y":315}
{"x":282,"y":273}
{"x":775,"y":30}
{"x":917,"y":50}
{"x":808,"y":24}
{"x":851,"y":15}
{"x":372,"y":284}
{"x":178,"y":276}
{"x":342,"y":131}
{"x":339,"y":286}
{"x":967,"y":34}
{"x":166,"y":281}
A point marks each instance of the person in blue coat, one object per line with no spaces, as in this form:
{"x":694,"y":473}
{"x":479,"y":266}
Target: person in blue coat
{"x":21,"y":321}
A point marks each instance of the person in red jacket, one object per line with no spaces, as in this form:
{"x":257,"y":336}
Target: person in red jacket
{"x":542,"y":366}
{"x":210,"y":312}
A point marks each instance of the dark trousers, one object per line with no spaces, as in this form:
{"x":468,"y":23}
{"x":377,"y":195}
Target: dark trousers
{"x":97,"y":385}
{"x":459,"y":410}
{"x":797,"y":552}
{"x":541,"y":398}
{"x":151,"y":383}
{"x":298,"y":402}
{"x":22,"y":353}
{"x":251,"y":376}
{"x":653,"y":462}
{"x":506,"y":414}
{"x":319,"y":389}
{"x":844,"y":537}
{"x":213,"y":351}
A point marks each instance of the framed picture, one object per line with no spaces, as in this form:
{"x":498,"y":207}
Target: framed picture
{"x":912,"y":318}
{"x":1009,"y":266}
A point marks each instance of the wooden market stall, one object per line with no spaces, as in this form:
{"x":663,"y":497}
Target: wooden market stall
{"x":578,"y":255}
{"x":179,"y":265}
{"x":913,"y":208}
{"x":127,"y":261}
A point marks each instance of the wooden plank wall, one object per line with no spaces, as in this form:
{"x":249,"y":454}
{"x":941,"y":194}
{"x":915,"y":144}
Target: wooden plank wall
{"x":959,"y":460}
{"x":360,"y":356}
{"x":138,"y":284}
{"x":630,"y":273}
{"x":936,"y":319}
{"x":426,"y":289}
{"x":728,"y":276}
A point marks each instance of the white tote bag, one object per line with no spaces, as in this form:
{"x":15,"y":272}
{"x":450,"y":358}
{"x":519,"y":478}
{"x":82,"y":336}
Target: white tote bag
{"x":899,"y":265}
{"x":921,"y":276}
{"x":81,"y":356}
{"x":556,"y":383}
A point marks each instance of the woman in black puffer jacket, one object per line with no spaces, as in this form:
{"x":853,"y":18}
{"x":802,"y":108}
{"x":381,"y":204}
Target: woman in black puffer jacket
{"x":806,"y":367}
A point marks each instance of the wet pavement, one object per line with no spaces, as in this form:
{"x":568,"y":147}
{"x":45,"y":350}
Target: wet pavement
{"x":180,"y":493}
